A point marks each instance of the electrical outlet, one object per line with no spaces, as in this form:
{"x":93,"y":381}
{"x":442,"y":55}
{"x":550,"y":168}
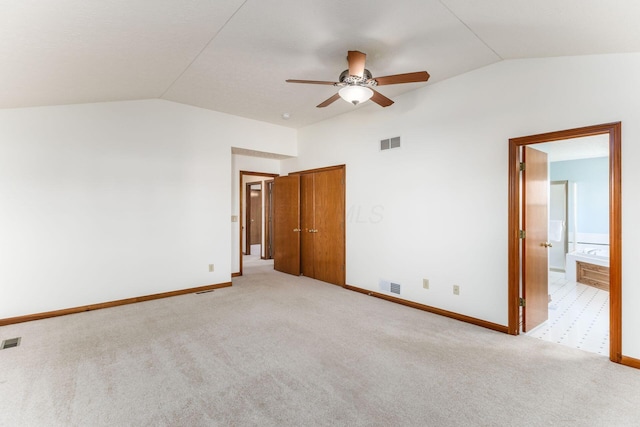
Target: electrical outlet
{"x":425,"y":283}
{"x":456,"y":290}
{"x":210,"y":268}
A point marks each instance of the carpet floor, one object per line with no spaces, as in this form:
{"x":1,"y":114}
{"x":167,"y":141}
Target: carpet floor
{"x":278,"y":350}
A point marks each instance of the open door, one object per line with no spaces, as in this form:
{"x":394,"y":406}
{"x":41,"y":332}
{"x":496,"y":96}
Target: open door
{"x":268,"y":219}
{"x":535,"y":216}
{"x":254,"y":216}
{"x":286,"y":224}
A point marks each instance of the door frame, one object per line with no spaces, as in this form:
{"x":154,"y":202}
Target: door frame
{"x":614,"y":131}
{"x":240,"y":199}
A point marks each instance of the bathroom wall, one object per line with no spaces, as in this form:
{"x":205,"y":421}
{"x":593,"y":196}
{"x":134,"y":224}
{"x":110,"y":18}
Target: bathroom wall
{"x":588,"y":196}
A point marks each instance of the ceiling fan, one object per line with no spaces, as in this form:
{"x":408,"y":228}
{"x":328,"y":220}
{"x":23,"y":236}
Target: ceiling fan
{"x":357,"y":84}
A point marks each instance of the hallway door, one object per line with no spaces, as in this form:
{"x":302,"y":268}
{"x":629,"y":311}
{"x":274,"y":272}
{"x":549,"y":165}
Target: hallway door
{"x":255,"y":212}
{"x":268,"y":219}
{"x":535,"y":216}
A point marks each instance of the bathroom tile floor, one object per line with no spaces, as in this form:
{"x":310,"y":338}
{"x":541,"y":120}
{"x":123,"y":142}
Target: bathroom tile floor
{"x":578,"y":316}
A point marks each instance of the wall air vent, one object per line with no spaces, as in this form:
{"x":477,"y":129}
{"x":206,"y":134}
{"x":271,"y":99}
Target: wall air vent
{"x":10,"y":343}
{"x":388,"y":144}
{"x":391,"y":287}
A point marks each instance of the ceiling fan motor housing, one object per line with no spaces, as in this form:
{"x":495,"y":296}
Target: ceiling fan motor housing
{"x":365,"y":80}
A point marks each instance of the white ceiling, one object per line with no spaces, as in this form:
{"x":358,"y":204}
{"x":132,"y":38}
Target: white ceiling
{"x":233,"y":56}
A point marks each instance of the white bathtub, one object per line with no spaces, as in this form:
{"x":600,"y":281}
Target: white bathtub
{"x":591,"y":254}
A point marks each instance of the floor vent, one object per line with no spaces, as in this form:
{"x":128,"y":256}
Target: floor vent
{"x":204,"y":292}
{"x":10,"y":343}
{"x":388,"y":144}
{"x":395,"y":288}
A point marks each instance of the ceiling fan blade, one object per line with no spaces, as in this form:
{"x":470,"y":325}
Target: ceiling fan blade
{"x":313,"y":82}
{"x":380,"y":99}
{"x":356,"y":63}
{"x":329,"y":101}
{"x":419,"y":76}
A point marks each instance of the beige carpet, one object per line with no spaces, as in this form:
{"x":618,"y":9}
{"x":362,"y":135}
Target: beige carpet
{"x":276,"y":350}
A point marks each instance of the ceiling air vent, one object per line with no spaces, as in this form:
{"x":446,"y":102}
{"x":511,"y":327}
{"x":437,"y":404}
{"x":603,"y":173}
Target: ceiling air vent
{"x":388,"y":144}
{"x":10,"y":343}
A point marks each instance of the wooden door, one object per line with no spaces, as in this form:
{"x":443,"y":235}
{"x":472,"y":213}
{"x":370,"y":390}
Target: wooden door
{"x":268,"y":219}
{"x":329,"y":232}
{"x":255,"y":218}
{"x":286,"y":224}
{"x":535,"y":272}
{"x":307,"y":224}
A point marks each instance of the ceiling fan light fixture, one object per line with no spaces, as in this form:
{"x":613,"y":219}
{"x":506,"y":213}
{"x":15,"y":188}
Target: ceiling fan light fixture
{"x":355,"y":94}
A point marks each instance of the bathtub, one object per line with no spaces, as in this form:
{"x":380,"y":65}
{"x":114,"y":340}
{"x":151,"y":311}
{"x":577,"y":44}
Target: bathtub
{"x":597,"y":255}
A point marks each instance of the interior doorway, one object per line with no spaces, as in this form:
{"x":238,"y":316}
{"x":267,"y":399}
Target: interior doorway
{"x":253,"y":217}
{"x":577,"y":307}
{"x":518,"y":258}
{"x":256,"y":210}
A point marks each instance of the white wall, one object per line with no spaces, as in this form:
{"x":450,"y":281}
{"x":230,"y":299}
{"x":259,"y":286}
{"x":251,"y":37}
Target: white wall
{"x":101,"y":202}
{"x":437,"y":207}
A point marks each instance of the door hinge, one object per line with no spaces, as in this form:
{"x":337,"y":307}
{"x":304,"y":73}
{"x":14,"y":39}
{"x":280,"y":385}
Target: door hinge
{"x":522,"y":302}
{"x":522,"y":234}
{"x":522,"y":166}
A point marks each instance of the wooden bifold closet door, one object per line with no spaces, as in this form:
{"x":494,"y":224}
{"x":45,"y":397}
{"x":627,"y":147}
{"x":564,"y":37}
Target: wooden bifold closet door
{"x":320,"y":235}
{"x":286,"y":224}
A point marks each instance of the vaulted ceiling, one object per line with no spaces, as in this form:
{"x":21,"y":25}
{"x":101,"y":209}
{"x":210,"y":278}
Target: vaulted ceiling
{"x":234,"y":56}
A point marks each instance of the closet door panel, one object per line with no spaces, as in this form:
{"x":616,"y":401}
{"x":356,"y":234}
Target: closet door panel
{"x":329,"y":239}
{"x":307,"y":216}
{"x":286,"y":224}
